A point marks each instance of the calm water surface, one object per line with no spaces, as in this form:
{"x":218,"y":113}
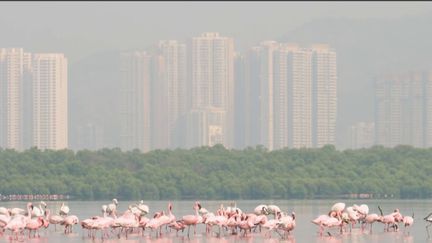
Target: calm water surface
{"x":305,"y":231}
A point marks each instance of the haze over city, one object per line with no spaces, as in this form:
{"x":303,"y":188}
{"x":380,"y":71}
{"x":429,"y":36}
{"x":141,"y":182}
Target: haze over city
{"x":368,"y":40}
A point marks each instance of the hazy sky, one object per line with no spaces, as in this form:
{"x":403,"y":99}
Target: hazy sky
{"x":82,"y":28}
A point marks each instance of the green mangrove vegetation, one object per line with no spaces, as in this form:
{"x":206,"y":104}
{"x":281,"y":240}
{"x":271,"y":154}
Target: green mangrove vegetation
{"x":218,"y":173}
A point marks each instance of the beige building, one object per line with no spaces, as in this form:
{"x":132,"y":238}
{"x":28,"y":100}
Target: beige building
{"x":50,"y":101}
{"x":213,"y":79}
{"x":297,"y":95}
{"x":324,"y":86}
{"x":135,"y":131}
{"x":11,"y":98}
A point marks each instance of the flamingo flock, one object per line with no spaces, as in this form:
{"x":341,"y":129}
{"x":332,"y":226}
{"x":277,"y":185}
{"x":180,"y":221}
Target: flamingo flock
{"x":229,"y":220}
{"x":341,"y":217}
{"x":268,"y":220}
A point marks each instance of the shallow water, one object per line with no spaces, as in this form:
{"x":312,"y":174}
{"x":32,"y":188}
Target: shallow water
{"x":305,"y":231}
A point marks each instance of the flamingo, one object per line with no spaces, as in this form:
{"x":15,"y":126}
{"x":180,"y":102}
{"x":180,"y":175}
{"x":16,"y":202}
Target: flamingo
{"x":18,"y":223}
{"x":53,"y":218}
{"x":4,"y":219}
{"x":273,"y":209}
{"x":408,"y":221}
{"x":189,"y":220}
{"x":64,"y":210}
{"x":112,"y":207}
{"x":144,"y":208}
{"x":246,"y":223}
{"x":126,"y":221}
{"x":34,"y":225}
{"x":69,"y":222}
{"x":370,"y":219}
{"x":38,"y":211}
{"x":155,"y":222}
{"x":177,"y":225}
{"x":102,"y":224}
{"x":171,"y":216}
{"x":362,"y":210}
{"x":336,"y":209}
{"x":319,"y":221}
{"x":261,"y":209}
{"x":88,"y":225}
{"x":352,"y":216}
{"x":4,"y":211}
{"x":287,"y":223}
{"x":16,"y":211}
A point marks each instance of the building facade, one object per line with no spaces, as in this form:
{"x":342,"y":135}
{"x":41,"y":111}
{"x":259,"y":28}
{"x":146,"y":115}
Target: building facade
{"x":50,"y":101}
{"x":213,"y":80}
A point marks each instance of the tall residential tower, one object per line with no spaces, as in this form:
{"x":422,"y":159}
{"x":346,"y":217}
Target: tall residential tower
{"x":50,"y":101}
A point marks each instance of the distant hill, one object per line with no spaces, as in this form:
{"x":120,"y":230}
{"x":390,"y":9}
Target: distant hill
{"x":94,"y":96}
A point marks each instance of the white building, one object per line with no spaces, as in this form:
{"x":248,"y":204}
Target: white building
{"x":50,"y":101}
{"x":213,"y":78}
{"x":324,"y":86}
{"x":13,"y":68}
{"x":297,"y":95}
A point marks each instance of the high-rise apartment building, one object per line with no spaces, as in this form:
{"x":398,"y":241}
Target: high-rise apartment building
{"x":173,"y":87}
{"x":402,"y":111}
{"x":135,"y":131}
{"x":266,"y":95}
{"x":324,"y":93}
{"x":213,"y":79}
{"x":297,"y":94}
{"x":50,"y":101}
{"x":362,"y":135}
{"x":12,"y":78}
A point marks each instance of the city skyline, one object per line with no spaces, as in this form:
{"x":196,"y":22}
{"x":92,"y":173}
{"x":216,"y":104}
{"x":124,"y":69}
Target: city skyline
{"x":359,"y":34}
{"x":163,"y":73}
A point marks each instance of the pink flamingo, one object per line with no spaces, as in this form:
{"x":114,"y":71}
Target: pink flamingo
{"x":53,"y":219}
{"x":370,"y":219}
{"x":333,"y":222}
{"x":155,"y":222}
{"x":172,"y":217}
{"x":87,"y":224}
{"x":34,"y":225}
{"x":143,"y":222}
{"x":68,"y":222}
{"x":408,"y":221}
{"x":126,"y":222}
{"x":4,"y":220}
{"x":18,"y":222}
{"x":189,"y":220}
{"x":287,"y":223}
{"x":177,"y":225}
{"x":247,"y":222}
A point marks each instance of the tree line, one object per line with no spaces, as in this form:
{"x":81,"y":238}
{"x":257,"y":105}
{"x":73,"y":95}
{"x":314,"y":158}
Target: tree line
{"x":218,"y":173}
